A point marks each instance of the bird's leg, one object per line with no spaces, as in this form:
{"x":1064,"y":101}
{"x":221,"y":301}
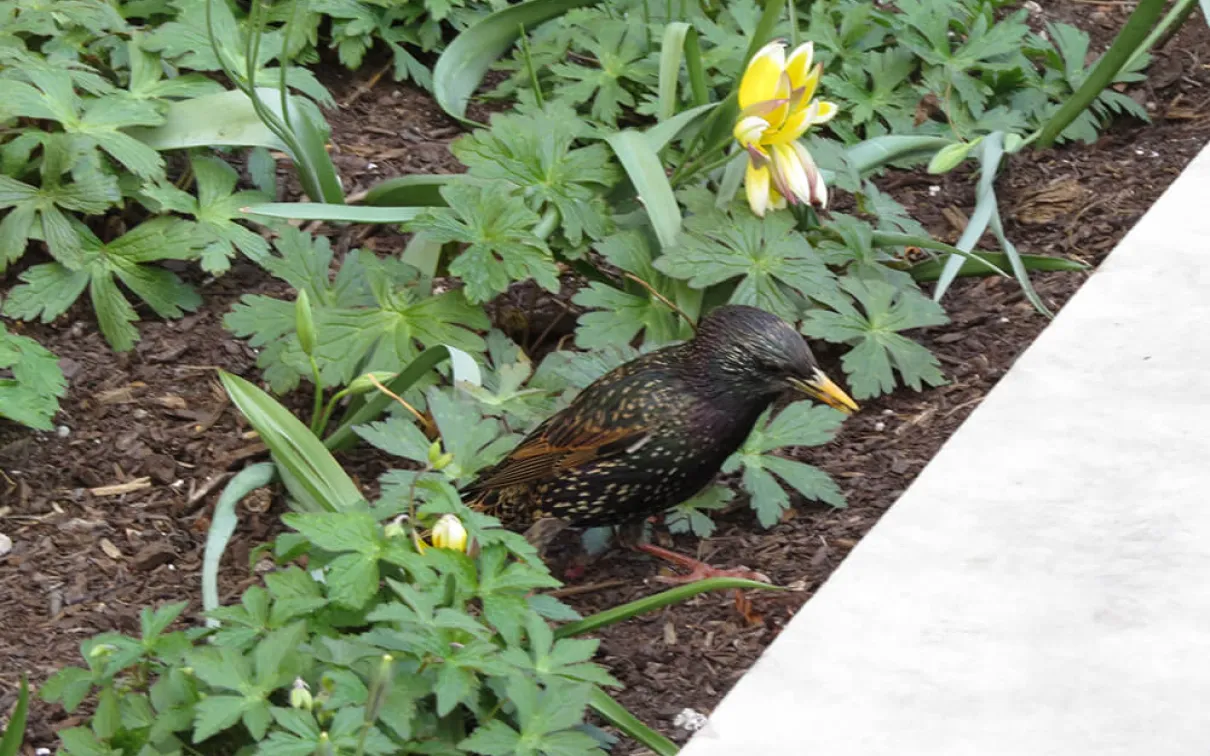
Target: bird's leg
{"x":698,"y":570}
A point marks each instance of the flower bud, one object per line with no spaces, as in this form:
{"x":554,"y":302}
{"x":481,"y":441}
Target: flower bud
{"x":324,"y":747}
{"x":363,"y":383}
{"x":950,"y":156}
{"x":300,"y":695}
{"x":304,"y":323}
{"x":449,"y":533}
{"x":394,"y":528}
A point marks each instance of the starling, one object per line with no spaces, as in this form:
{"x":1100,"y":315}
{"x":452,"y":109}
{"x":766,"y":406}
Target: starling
{"x":655,"y":431}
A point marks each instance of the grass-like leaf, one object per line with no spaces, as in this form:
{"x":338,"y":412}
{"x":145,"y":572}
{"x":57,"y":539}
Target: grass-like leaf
{"x":315,"y":479}
{"x":646,"y":172}
{"x":223,"y":522}
{"x":461,"y":67}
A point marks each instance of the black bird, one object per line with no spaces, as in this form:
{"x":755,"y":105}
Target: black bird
{"x":653,"y":432}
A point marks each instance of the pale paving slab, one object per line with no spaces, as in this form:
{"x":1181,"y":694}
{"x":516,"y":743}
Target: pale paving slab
{"x":1044,"y":586}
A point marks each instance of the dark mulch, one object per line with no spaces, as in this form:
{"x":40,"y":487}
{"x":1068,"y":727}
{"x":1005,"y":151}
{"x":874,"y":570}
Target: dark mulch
{"x":156,"y":424}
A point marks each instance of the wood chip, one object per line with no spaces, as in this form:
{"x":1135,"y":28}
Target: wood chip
{"x":669,"y":634}
{"x":138,"y":484}
{"x":171,"y":401}
{"x":123,"y":395}
{"x":111,"y":551}
{"x":153,"y":555}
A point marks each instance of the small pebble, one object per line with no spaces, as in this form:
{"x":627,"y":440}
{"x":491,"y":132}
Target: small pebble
{"x":1003,"y":320}
{"x":62,"y":431}
{"x":690,"y":720}
{"x":880,"y":426}
{"x":6,"y":544}
{"x":42,"y":752}
{"x":934,"y":191}
{"x":888,"y":412}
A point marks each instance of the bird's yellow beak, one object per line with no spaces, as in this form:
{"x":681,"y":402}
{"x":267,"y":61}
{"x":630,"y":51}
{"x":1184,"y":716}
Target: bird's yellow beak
{"x":822,"y":388}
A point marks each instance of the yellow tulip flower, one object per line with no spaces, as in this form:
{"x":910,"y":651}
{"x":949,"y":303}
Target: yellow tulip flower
{"x":777,"y":106}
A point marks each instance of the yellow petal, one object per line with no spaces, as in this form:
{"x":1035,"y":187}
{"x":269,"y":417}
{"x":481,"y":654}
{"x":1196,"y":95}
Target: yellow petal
{"x":826,"y":111}
{"x":810,"y":83}
{"x":794,"y":127}
{"x":756,"y":185}
{"x":749,"y":130}
{"x":762,"y":77}
{"x":799,"y":63}
{"x":777,"y":116}
{"x":449,"y":533}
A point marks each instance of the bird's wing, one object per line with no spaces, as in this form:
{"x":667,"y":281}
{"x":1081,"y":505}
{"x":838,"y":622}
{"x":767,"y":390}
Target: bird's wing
{"x":605,"y":420}
{"x":563,"y":442}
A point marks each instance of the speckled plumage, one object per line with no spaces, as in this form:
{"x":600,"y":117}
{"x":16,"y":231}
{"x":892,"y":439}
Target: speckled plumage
{"x":650,"y":433}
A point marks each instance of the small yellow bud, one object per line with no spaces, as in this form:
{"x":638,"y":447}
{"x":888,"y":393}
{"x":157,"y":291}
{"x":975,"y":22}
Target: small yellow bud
{"x":324,"y":747}
{"x":448,"y":533}
{"x":443,"y":461}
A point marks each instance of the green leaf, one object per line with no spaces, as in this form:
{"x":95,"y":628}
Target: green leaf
{"x":767,"y":256}
{"x":679,"y":39}
{"x":215,"y":209}
{"x":312,"y":475}
{"x":91,"y":193}
{"x":690,"y":516}
{"x":14,"y":733}
{"x":49,"y":289}
{"x":873,"y":331}
{"x":653,"y":603}
{"x":338,"y":531}
{"x":495,"y":738}
{"x":532,"y":152}
{"x":31,"y":396}
{"x":461,"y":67}
{"x":224,"y":118}
{"x":497,"y":229}
{"x":332,"y":212}
{"x":413,"y":190}
{"x":216,"y":713}
{"x":646,"y":172}
{"x":623,"y":314}
{"x":223,"y":522}
{"x":617,"y":715}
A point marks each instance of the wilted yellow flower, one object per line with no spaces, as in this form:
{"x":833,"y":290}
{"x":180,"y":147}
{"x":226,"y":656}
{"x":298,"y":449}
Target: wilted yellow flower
{"x":448,"y":533}
{"x":777,"y":106}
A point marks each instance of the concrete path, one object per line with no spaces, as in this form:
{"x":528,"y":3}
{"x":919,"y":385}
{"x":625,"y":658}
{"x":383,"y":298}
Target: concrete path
{"x":1043,"y":588}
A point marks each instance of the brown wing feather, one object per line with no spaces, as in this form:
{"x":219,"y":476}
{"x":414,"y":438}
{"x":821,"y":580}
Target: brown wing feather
{"x":556,"y":446}
{"x":603,"y":421}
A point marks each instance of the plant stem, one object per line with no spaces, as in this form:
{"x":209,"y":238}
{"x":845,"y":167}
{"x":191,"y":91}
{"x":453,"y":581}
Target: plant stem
{"x":1171,"y":22}
{"x":317,"y":405}
{"x":529,"y":67}
{"x":726,"y":158}
{"x":665,"y":300}
{"x":328,"y":409}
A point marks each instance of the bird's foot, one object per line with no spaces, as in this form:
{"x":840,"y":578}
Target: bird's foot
{"x":698,"y":570}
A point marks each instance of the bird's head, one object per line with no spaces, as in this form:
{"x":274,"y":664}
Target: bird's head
{"x":756,"y":352}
